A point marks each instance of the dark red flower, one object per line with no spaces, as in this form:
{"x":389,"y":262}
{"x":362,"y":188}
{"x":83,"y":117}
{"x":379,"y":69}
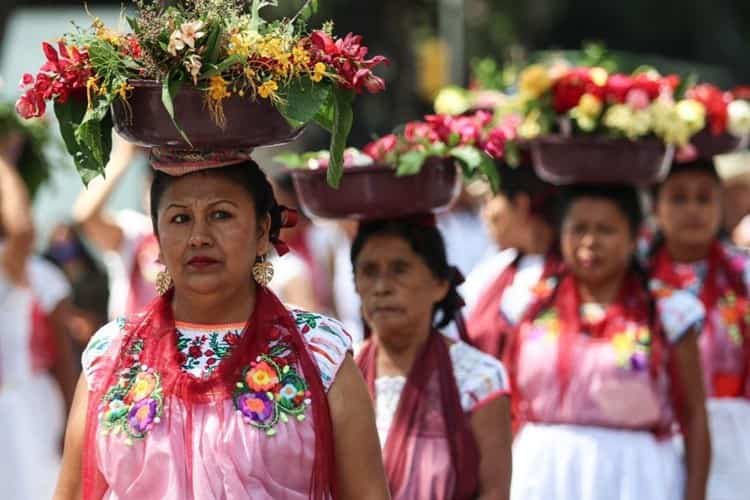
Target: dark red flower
{"x":210,"y":353}
{"x":716,"y":103}
{"x":742,"y":92}
{"x":31,"y":105}
{"x":195,"y":351}
{"x":419,"y":131}
{"x":568,"y":90}
{"x":232,"y":339}
{"x":210,"y":361}
{"x":650,"y":85}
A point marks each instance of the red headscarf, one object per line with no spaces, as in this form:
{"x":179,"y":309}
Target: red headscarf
{"x":155,"y":329}
{"x":433,"y":361}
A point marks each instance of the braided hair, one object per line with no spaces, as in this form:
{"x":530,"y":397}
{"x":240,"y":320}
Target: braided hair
{"x":427,"y":242}
{"x":246,"y":174}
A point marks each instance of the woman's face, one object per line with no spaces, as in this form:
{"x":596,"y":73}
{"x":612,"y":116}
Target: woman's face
{"x":597,"y":240}
{"x":397,"y":289}
{"x":209,"y":234}
{"x":688,"y":208}
{"x":505,"y":220}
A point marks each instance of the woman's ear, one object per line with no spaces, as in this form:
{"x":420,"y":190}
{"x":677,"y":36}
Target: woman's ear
{"x":263,"y":238}
{"x":441,"y":289}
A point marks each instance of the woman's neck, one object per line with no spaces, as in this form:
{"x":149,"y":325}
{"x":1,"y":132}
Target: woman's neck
{"x":397,"y":353}
{"x":539,"y":240}
{"x":603,"y":293}
{"x":687,"y":253}
{"x":225,"y":306}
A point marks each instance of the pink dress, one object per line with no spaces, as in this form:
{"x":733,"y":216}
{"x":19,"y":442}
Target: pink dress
{"x":597,"y":439}
{"x":231,"y":459}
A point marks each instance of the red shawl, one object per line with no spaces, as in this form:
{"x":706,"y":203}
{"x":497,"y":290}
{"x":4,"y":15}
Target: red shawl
{"x":156,"y":328}
{"x":663,"y":269}
{"x":487,"y":326}
{"x":434,"y":360}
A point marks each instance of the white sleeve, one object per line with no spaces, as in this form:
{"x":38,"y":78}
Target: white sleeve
{"x":483,"y":276}
{"x":48,"y":283}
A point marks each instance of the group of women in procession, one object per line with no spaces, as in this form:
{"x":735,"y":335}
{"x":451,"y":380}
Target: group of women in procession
{"x":581,"y":361}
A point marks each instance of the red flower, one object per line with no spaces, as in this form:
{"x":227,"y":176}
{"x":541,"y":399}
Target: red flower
{"x":419,"y":131}
{"x":569,"y":89}
{"x":210,"y":353}
{"x":195,"y":351}
{"x":31,"y":105}
{"x":495,"y":144}
{"x":716,"y":102}
{"x":617,"y":88}
{"x":132,"y":47}
{"x":650,"y":85}
{"x":210,"y":361}
{"x":377,"y":150}
{"x":232,"y":339}
{"x":348,"y":57}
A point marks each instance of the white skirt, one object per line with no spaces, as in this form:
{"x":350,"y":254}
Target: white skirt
{"x":729,"y":420}
{"x":568,"y":462}
{"x":31,"y":426}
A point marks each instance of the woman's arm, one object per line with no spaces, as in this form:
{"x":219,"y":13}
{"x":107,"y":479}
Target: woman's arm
{"x":64,"y":367}
{"x":69,"y":481}
{"x":15,"y":220}
{"x":491,"y":426}
{"x":359,"y":465}
{"x":688,"y":381}
{"x":88,"y":211}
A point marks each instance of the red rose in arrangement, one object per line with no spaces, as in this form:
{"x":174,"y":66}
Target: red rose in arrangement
{"x":568,"y":90}
{"x":716,"y":102}
{"x":617,"y":88}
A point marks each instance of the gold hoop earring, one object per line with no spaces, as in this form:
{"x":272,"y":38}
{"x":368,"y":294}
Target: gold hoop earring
{"x":262,"y":272}
{"x":163,"y":282}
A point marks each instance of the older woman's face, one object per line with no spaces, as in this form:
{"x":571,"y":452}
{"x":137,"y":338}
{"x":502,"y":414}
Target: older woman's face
{"x":597,"y":241}
{"x":397,"y":289}
{"x":209,"y":234}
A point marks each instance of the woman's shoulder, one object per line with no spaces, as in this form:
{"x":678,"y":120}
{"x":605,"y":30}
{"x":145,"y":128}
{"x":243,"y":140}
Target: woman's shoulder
{"x":99,"y":345}
{"x":326,"y":339}
{"x":480,"y":377}
{"x":679,"y":310}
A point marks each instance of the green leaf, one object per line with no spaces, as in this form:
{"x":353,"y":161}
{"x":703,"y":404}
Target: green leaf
{"x":169,"y":90}
{"x":475,"y":160}
{"x":410,"y":163}
{"x":212,"y":45}
{"x":305,"y":99}
{"x":70,"y":116}
{"x":133,"y":23}
{"x":343,"y":118}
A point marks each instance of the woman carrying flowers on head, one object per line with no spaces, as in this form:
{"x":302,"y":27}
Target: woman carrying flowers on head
{"x":441,"y":407}
{"x":689,"y":255}
{"x":601,"y":369}
{"x":217,"y":390}
{"x":521,"y":220}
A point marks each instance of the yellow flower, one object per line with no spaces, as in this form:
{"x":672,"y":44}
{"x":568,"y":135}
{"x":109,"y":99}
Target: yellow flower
{"x":124,"y":89}
{"x":267,"y":89}
{"x":692,"y":113}
{"x":249,"y":73}
{"x":106,"y":34}
{"x":531,"y":127}
{"x":599,"y":76}
{"x":631,"y":123}
{"x":238,"y":45}
{"x":534,"y":81}
{"x":217,"y":88}
{"x":318,"y":72}
{"x":301,"y":56}
{"x":590,"y":105}
{"x":451,"y":101}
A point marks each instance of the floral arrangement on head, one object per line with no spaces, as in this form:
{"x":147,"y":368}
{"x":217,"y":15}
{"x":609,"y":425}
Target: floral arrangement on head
{"x":473,"y":140}
{"x":223,"y":47}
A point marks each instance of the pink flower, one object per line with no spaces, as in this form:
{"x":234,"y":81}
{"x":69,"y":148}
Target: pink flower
{"x":348,"y":57}
{"x":378,"y":149}
{"x":31,"y":105}
{"x":648,"y":84}
{"x":419,"y":131}
{"x":617,"y":88}
{"x":637,"y":99}
{"x":495,"y":144}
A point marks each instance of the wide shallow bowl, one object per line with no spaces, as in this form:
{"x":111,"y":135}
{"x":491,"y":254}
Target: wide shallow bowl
{"x":375,"y":192}
{"x":710,"y":145}
{"x":248,"y":123}
{"x":565,"y":160}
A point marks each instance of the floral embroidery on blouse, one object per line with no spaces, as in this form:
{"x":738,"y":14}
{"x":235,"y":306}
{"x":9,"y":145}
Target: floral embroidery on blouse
{"x":546,"y":326}
{"x":270,"y":390}
{"x":632,"y":348}
{"x":545,"y":288}
{"x":733,"y":312}
{"x":203,"y":350}
{"x":135,"y":403}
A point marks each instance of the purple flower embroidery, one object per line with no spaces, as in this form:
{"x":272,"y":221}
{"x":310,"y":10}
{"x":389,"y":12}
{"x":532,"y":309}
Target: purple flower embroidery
{"x":142,"y":415}
{"x":257,"y":406}
{"x":638,"y":361}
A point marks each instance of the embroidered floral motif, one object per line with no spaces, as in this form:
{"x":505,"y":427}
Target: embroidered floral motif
{"x":733,"y":313}
{"x":544,"y":288}
{"x":201,"y":354}
{"x":632,"y":348}
{"x":270,"y":390}
{"x":133,"y":405}
{"x":546,"y":326}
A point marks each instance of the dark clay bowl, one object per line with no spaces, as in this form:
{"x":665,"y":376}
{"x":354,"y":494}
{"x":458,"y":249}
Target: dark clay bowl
{"x":565,"y":160}
{"x":249,"y":123}
{"x":374,"y":192}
